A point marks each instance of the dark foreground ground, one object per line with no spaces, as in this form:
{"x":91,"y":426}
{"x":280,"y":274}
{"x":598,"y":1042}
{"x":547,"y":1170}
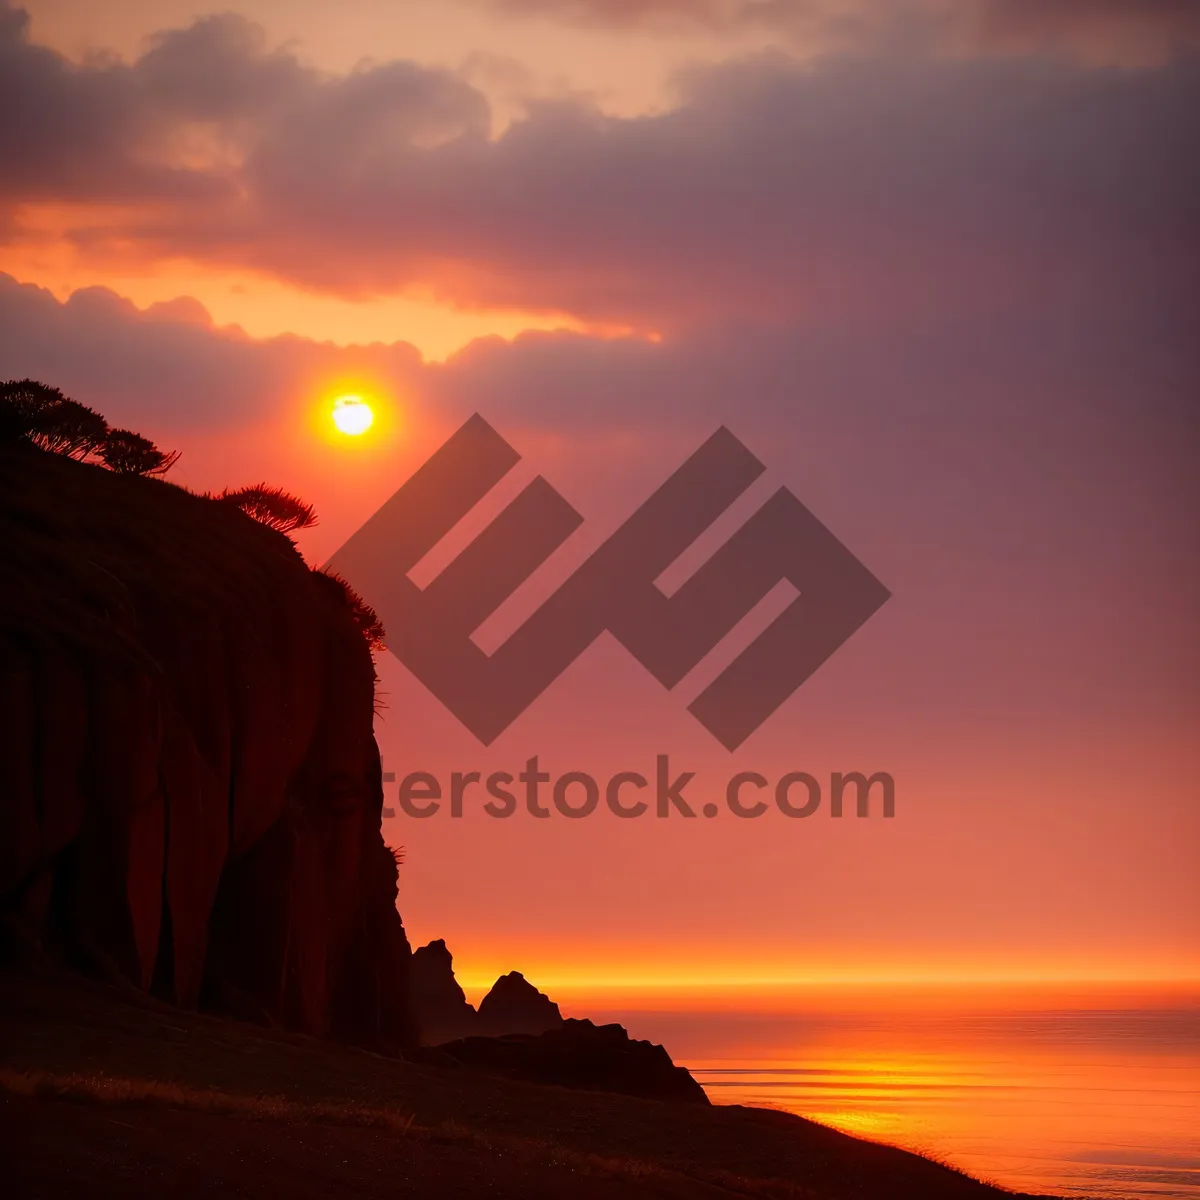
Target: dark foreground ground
{"x":102,"y":1094}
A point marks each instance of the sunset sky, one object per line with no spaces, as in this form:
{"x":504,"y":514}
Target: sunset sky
{"x":935,"y":262}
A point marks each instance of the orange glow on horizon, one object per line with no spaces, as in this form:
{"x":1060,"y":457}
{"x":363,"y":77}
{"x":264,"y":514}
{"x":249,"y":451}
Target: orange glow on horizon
{"x":765,"y":985}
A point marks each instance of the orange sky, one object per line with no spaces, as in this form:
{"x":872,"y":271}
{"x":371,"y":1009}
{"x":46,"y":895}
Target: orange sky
{"x":47,"y":254}
{"x":933,"y":269}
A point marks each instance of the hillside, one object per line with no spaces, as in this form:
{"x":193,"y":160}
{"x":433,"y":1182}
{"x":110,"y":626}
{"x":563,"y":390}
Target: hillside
{"x":102,"y":1094}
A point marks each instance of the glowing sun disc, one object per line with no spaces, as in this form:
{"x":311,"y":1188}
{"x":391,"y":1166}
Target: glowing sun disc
{"x":352,"y":415}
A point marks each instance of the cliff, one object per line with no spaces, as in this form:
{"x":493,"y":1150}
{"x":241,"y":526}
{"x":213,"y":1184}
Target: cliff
{"x":191,"y":790}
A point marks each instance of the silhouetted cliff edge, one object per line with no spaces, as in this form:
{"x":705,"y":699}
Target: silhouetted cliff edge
{"x":520,"y":1032}
{"x":443,"y":1013}
{"x":439,"y":1005}
{"x":577,"y":1054}
{"x":191,"y":789}
{"x":514,"y":1005}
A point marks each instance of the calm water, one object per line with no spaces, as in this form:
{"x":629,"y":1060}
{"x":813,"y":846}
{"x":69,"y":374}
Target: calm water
{"x":1080,"y":1095}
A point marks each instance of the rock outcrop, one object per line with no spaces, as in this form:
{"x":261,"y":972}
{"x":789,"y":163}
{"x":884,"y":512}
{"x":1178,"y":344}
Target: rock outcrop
{"x":190,"y":790}
{"x":439,"y":1005}
{"x":444,"y":1014}
{"x":578,"y":1054}
{"x":514,"y":1005}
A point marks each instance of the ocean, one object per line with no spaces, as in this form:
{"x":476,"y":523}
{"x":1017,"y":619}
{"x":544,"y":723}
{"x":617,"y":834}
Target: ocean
{"x":1092,"y":1092}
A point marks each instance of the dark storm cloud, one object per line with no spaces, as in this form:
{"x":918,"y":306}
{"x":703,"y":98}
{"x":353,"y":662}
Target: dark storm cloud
{"x":773,"y":192}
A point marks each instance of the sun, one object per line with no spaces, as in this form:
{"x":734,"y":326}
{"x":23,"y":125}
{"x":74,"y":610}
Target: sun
{"x":352,"y":415}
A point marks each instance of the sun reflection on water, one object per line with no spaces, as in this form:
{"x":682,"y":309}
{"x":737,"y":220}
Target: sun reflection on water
{"x":1102,"y":1100}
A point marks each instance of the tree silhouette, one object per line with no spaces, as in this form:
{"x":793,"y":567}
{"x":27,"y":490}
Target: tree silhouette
{"x":37,"y":413}
{"x":129,"y":453}
{"x":273,"y":507}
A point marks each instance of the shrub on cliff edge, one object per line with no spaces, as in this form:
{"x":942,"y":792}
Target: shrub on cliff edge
{"x":41,"y":415}
{"x":129,"y":453}
{"x":272,"y":507}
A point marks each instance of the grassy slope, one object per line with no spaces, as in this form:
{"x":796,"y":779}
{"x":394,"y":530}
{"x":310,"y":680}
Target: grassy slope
{"x":102,"y":1094}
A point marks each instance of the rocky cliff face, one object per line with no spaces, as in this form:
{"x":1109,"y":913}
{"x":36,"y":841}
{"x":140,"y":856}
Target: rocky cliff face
{"x":190,"y":790}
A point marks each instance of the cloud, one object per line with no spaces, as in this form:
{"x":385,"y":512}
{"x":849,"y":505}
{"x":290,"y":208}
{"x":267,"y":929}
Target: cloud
{"x":168,"y":368}
{"x":774,"y":191}
{"x":178,"y":122}
{"x":1025,"y":486}
{"x":854,"y":388}
{"x":621,"y":13}
{"x":1145,"y":31}
{"x":1120,"y":31}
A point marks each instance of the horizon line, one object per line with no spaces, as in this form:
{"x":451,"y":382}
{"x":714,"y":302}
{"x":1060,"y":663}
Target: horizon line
{"x":703,"y":983}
